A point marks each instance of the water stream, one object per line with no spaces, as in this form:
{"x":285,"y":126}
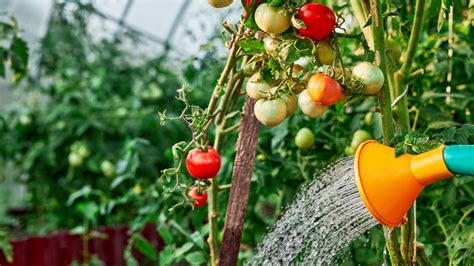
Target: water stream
{"x":326,"y":216}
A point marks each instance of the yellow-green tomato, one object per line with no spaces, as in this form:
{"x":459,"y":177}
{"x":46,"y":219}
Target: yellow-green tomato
{"x":347,"y":74}
{"x":394,"y":49}
{"x":325,"y":53}
{"x":270,"y":45}
{"x":370,"y":76}
{"x":75,"y":159}
{"x":309,"y":107}
{"x":368,"y":118}
{"x":359,"y":137}
{"x":270,"y":112}
{"x":304,"y":138}
{"x":219,"y":3}
{"x":25,"y":120}
{"x":108,"y":169}
{"x":83,"y":151}
{"x":273,"y":20}
{"x":349,"y":151}
{"x":257,"y":88}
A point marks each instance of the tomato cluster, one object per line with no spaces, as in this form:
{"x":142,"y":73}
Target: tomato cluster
{"x":202,"y":164}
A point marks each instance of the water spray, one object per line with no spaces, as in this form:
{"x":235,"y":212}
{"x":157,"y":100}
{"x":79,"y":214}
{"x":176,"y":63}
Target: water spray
{"x":389,"y":185}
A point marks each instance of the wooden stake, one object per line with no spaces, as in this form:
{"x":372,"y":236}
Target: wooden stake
{"x":239,"y":192}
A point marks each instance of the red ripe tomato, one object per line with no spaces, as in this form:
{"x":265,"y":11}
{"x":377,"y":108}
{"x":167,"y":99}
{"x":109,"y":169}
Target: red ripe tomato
{"x":324,"y":90}
{"x":199,"y":198}
{"x":319,"y":20}
{"x":203,"y":164}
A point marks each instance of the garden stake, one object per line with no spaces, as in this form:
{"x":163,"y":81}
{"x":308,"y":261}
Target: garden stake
{"x":241,"y":178}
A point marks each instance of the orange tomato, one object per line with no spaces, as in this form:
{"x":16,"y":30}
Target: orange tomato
{"x":324,"y":90}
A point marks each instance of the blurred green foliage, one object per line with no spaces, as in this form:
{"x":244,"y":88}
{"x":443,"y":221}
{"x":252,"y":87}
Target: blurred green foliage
{"x":99,"y":101}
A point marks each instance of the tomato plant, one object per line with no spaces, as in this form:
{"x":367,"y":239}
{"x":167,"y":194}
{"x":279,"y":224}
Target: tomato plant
{"x":103,"y":110}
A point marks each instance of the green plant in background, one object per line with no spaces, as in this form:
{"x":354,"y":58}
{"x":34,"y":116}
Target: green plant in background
{"x":14,"y":56}
{"x":91,"y":145}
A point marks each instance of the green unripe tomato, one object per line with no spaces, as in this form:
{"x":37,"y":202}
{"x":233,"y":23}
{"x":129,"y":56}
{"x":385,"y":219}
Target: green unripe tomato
{"x":270,"y":45}
{"x":25,"y":120}
{"x":368,"y":118}
{"x":370,"y":76}
{"x":359,"y":137}
{"x":325,"y":54}
{"x":83,"y":151}
{"x":304,"y":138}
{"x":270,"y":112}
{"x":108,"y":168}
{"x":257,"y":88}
{"x":272,"y":20}
{"x":394,"y":49}
{"x":349,"y":151}
{"x":75,"y":160}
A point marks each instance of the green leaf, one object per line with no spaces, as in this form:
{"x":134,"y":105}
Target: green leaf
{"x":166,"y":256}
{"x":6,"y":248}
{"x":198,"y":239}
{"x":251,"y":45}
{"x":196,"y":258}
{"x":19,"y":58}
{"x":83,"y":192}
{"x":166,"y":235}
{"x":368,"y":22}
{"x":2,"y":64}
{"x":442,"y":124}
{"x":441,"y":16}
{"x":145,"y":247}
{"x":182,"y":250}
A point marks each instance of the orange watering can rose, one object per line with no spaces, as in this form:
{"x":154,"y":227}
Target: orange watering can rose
{"x":389,"y":186}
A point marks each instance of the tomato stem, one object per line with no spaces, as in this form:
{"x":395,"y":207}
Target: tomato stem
{"x":226,"y":75}
{"x":387,"y":116}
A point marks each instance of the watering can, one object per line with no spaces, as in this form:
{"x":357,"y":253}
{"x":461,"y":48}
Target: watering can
{"x":389,"y":185}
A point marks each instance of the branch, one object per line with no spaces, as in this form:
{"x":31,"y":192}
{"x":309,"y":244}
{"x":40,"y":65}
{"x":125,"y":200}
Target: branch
{"x":387,"y":116}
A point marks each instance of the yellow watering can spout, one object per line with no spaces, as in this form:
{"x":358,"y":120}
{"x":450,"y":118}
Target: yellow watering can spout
{"x":388,"y":185}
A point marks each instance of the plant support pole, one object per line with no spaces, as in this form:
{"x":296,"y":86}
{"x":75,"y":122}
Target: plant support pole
{"x":239,"y":192}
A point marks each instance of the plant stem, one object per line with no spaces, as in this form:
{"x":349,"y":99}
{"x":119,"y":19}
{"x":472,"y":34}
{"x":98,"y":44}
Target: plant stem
{"x":409,"y":229}
{"x":361,"y":16}
{"x":387,"y":116}
{"x":214,"y":186}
